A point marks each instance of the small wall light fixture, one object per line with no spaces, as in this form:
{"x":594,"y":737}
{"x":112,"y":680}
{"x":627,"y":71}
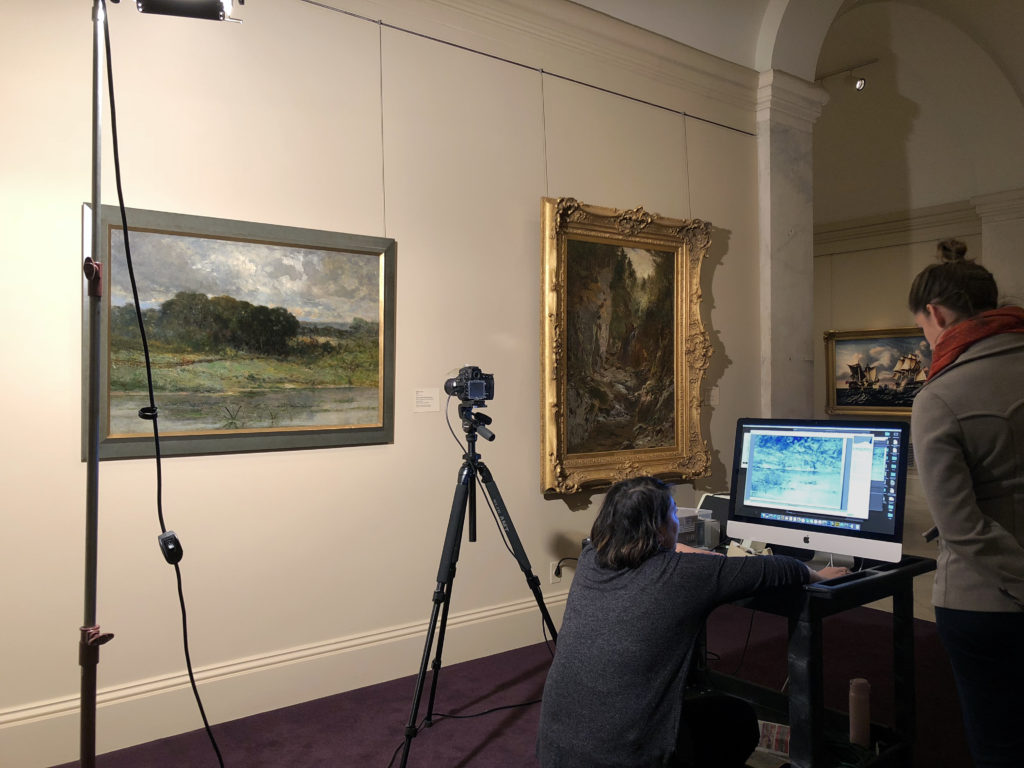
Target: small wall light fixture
{"x":859,"y":82}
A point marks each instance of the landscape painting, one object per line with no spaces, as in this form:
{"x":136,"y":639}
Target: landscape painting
{"x":260,"y":337}
{"x":875,"y":372}
{"x":623,"y":346}
{"x":620,"y":359}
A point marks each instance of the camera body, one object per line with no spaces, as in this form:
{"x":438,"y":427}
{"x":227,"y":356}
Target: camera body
{"x":471,"y":384}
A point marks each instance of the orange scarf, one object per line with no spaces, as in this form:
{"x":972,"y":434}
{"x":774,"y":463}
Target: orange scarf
{"x":958,"y":338}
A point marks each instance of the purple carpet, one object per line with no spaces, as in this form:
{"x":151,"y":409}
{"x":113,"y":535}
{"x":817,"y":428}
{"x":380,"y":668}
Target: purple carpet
{"x":366,"y":727}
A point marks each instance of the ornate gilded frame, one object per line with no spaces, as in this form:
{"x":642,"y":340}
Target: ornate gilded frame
{"x":678,"y":246}
{"x":891,"y":364}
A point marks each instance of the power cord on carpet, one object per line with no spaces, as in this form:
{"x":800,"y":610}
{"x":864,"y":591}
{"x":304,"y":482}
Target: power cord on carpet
{"x":443,"y":716}
{"x":168,"y":541}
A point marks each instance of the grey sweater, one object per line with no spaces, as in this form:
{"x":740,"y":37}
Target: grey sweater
{"x":614,"y":691}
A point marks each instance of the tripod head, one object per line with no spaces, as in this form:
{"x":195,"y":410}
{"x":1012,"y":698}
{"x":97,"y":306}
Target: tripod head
{"x":474,"y":423}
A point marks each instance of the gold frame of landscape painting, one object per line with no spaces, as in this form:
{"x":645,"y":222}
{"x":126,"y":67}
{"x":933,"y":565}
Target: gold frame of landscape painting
{"x":262,"y":337}
{"x":623,"y":346}
{"x":875,"y":373}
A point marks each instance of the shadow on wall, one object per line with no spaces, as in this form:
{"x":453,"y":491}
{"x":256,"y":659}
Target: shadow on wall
{"x":719,"y":361}
{"x":860,"y":139}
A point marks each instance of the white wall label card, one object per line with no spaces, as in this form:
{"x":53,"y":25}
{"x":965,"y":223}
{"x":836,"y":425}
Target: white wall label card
{"x":427,"y":400}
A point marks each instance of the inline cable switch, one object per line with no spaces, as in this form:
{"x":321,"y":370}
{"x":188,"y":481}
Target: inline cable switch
{"x":171,"y":547}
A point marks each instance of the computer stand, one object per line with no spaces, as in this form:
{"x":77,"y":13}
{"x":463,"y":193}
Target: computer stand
{"x":465,"y":496}
{"x":821,"y":560}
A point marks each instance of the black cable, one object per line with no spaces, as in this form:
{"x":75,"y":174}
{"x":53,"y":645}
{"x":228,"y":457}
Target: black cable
{"x":188,"y":664}
{"x":746,"y":644}
{"x":150,"y":413}
{"x":558,"y":565}
{"x":443,"y":716}
{"x":398,"y":749}
{"x":547,"y":640}
{"x":490,"y":711}
{"x":448,"y":421}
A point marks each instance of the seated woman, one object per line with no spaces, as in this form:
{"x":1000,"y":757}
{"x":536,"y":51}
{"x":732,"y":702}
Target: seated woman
{"x":614,"y":696}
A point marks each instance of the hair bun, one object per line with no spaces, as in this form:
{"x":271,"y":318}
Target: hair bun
{"x":952,"y":250}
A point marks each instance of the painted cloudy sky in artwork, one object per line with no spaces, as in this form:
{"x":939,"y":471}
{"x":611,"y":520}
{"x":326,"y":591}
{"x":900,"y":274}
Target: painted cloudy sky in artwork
{"x":318,"y":286}
{"x":881,"y":353}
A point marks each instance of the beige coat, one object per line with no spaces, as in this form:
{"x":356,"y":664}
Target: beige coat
{"x":968,"y":437}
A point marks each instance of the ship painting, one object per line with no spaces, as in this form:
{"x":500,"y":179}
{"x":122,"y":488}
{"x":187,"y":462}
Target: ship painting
{"x":909,"y":374}
{"x":875,"y":371}
{"x":862,"y":376}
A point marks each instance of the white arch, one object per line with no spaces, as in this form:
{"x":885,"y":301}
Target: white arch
{"x":792,"y":33}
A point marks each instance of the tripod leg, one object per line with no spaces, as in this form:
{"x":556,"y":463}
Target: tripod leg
{"x":465,"y":498}
{"x":442,"y":596}
{"x":435,"y":667}
{"x":517,"y":546}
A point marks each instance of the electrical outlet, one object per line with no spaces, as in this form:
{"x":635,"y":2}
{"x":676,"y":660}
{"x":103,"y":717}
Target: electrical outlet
{"x":554,"y":578}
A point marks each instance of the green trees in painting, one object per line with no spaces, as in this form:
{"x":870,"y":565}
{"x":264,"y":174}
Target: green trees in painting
{"x":209,"y":344}
{"x":194,"y":322}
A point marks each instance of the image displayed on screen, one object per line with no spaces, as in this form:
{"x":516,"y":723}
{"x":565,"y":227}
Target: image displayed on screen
{"x":805,"y":467}
{"x":843,"y":479}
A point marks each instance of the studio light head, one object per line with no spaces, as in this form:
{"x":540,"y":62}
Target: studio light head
{"x":215,"y":10}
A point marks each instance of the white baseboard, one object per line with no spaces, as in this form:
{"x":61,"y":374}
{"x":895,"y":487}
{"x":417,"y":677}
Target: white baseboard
{"x":46,"y":733}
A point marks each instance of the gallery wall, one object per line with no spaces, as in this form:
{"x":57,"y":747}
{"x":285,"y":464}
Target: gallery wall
{"x":307,"y":573}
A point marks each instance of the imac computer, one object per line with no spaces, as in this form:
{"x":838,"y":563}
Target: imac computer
{"x":835,"y":487}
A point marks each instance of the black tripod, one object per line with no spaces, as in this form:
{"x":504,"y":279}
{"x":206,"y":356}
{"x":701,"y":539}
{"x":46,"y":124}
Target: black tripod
{"x":465,"y":493}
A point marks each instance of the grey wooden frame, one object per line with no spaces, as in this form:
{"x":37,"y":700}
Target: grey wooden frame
{"x":240,"y":234}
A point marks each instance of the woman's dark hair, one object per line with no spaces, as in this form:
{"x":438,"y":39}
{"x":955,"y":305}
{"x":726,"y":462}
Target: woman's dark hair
{"x":956,"y":282}
{"x":627,"y":529}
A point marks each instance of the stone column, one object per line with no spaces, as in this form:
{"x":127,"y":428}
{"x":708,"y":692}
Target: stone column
{"x":787,"y":108}
{"x":1002,"y":241}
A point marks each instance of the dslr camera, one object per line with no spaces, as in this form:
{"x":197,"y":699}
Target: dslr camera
{"x":471,"y":384}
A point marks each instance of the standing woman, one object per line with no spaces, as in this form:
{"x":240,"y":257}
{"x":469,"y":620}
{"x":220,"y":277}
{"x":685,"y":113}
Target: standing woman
{"x":614,"y":693}
{"x":968,"y":434}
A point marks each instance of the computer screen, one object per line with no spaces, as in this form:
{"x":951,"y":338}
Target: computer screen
{"x":836,"y":487}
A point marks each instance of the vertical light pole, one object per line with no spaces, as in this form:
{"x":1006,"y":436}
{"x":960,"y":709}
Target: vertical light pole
{"x":90,"y":636}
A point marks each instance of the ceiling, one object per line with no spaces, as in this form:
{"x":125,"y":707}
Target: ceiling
{"x":743,"y":31}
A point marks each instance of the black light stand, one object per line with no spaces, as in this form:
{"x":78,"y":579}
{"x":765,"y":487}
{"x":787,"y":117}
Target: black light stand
{"x":90,"y":636}
{"x":465,"y":497}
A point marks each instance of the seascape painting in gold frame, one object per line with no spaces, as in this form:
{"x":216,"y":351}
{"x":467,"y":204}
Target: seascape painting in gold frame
{"x":875,"y":373}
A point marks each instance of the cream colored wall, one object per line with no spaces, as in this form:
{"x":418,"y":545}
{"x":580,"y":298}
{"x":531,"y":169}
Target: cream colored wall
{"x":937,"y":123}
{"x":311,"y":572}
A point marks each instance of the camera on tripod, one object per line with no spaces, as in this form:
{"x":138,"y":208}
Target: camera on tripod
{"x":471,"y":384}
